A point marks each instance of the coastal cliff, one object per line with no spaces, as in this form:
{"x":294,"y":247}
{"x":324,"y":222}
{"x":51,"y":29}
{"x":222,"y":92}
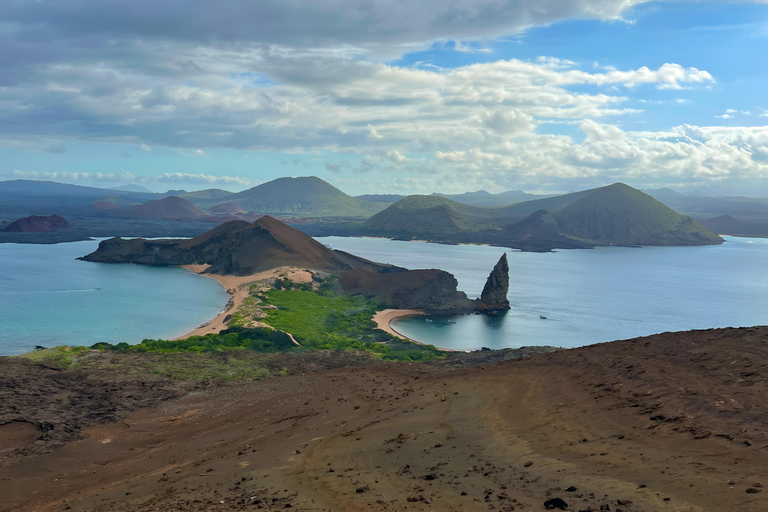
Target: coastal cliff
{"x":431,"y":290}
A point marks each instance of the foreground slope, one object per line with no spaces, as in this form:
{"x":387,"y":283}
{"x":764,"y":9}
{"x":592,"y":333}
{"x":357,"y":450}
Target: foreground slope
{"x":673,"y":422}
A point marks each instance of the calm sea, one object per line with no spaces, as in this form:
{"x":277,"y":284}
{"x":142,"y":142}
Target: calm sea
{"x":587,"y":296}
{"x":49,"y":298}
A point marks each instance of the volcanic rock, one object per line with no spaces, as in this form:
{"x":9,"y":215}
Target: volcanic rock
{"x":36,"y":224}
{"x":235,"y":248}
{"x":433,"y":290}
{"x":494,"y":296}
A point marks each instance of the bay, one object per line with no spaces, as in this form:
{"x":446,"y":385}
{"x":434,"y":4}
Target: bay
{"x":587,"y":296}
{"x":49,"y":298}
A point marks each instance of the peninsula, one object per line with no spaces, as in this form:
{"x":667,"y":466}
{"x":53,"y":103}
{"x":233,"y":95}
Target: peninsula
{"x":238,"y":248}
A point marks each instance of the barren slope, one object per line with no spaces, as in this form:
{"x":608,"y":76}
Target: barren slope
{"x":654,"y":424}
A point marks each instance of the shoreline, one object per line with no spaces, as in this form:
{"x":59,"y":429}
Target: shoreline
{"x":238,"y":289}
{"x":385,"y":317}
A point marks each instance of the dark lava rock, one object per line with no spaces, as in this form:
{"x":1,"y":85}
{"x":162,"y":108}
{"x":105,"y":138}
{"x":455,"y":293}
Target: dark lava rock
{"x":36,"y":224}
{"x":555,"y":503}
{"x":494,"y":296}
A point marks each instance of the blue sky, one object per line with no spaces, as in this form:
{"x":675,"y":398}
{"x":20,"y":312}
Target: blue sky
{"x":387,"y":97}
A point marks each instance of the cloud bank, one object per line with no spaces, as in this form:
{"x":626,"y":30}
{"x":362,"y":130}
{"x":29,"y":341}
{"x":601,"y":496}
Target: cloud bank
{"x":309,"y":77}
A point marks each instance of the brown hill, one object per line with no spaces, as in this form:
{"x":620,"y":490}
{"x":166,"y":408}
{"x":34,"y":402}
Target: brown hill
{"x":172,"y":207}
{"x":36,"y":224}
{"x":673,"y":422}
{"x":226,"y":209}
{"x":236,"y":248}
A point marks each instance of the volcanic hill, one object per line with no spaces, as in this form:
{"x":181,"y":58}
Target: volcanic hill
{"x":171,"y":207}
{"x":36,"y":224}
{"x":235,"y":248}
{"x":433,"y":215}
{"x":303,"y":197}
{"x":614,"y":215}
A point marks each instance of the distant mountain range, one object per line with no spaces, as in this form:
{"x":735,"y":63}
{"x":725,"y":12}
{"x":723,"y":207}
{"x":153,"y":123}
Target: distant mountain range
{"x":320,"y":208}
{"x":612,"y":215}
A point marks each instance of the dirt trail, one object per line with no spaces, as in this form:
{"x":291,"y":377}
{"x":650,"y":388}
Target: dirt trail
{"x":674,"y":422}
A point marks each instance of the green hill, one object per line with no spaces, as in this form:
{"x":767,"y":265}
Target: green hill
{"x":302,"y":197}
{"x":614,"y":215}
{"x":621,"y":215}
{"x":206,"y":195}
{"x":431,"y":215}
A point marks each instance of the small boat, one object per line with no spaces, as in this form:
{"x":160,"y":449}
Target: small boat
{"x":428,"y":320}
{"x":542,"y":317}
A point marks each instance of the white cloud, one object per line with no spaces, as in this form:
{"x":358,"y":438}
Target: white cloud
{"x":308,"y":78}
{"x":205,"y":179}
{"x":76,"y":176}
{"x":373,"y":133}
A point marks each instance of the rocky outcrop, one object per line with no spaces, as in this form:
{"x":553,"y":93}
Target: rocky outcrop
{"x":235,"y":248}
{"x":431,"y":290}
{"x":494,"y":296}
{"x":36,"y":224}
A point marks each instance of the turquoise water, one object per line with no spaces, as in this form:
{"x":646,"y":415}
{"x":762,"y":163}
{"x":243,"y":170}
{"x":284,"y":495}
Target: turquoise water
{"x":588,"y":296}
{"x":49,"y":298}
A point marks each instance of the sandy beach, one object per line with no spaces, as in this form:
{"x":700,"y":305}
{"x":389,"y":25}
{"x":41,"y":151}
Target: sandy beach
{"x":384,"y":319}
{"x":238,"y":289}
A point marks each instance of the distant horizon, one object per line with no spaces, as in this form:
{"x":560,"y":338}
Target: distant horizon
{"x":117,"y":187}
{"x":545,"y":97}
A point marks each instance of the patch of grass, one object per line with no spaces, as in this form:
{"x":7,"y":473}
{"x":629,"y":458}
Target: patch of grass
{"x":204,"y":366}
{"x":256,"y":340}
{"x":61,"y":356}
{"x":324,"y":320}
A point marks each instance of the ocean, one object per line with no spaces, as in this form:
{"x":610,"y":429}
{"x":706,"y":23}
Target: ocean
{"x":49,"y":298}
{"x":587,"y":296}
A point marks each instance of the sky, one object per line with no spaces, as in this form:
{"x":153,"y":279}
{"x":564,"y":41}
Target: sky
{"x":387,"y":96}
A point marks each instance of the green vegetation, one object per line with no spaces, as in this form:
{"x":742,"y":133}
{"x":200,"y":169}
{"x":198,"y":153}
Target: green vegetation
{"x":318,"y":319}
{"x":621,"y":215}
{"x":256,"y":340}
{"x":434,"y":215}
{"x":322,"y":320}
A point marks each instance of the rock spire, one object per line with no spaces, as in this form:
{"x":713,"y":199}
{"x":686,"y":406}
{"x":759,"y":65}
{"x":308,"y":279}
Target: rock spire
{"x":494,"y":296}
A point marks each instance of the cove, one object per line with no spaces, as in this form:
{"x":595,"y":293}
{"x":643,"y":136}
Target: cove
{"x":49,"y":298}
{"x":588,"y":296}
